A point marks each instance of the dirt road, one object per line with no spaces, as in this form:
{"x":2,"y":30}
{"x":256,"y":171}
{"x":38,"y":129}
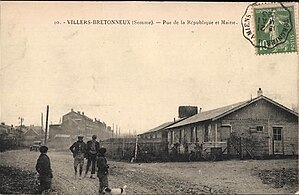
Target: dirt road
{"x":230,"y":177}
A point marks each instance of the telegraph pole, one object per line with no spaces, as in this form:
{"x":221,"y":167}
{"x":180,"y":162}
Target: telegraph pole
{"x":136,"y":148}
{"x":116,"y":128}
{"x":47,"y":118}
{"x":22,"y":119}
{"x":42,"y":124}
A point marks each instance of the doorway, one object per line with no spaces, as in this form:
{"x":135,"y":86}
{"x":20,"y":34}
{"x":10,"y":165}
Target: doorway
{"x":225,"y":132}
{"x":277,"y":140}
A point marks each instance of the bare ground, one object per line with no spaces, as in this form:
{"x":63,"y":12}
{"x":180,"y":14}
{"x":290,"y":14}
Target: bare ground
{"x":221,"y":177}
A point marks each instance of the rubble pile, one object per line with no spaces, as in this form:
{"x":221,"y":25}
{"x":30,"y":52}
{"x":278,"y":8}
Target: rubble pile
{"x":15,"y":181}
{"x":278,"y":178}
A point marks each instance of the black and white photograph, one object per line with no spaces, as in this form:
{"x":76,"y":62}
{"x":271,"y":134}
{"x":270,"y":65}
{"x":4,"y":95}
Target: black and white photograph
{"x":110,"y":98}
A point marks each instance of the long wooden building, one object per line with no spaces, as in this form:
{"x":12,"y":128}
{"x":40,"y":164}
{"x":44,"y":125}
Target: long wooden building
{"x":259,"y":127}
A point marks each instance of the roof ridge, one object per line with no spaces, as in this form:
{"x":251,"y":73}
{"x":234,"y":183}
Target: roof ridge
{"x":163,"y":126}
{"x":217,"y":113}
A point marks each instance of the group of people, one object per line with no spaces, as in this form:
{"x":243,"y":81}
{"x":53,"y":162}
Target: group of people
{"x":91,"y":151}
{"x":94,"y":154}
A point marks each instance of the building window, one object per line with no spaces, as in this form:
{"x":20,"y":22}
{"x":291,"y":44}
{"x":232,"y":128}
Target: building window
{"x":196,"y":135}
{"x":206,"y":137}
{"x":191,"y":135}
{"x":183,"y":136}
{"x":171,"y":137}
{"x":259,"y":128}
{"x":277,"y":133}
{"x":180,"y":136}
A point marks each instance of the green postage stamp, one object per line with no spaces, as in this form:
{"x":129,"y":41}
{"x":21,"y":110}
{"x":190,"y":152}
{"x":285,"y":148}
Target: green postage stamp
{"x":270,"y":27}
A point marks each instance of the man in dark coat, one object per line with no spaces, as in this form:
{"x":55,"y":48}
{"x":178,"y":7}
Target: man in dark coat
{"x":43,"y":167}
{"x":78,"y":149}
{"x":93,"y":147}
{"x":102,"y":170}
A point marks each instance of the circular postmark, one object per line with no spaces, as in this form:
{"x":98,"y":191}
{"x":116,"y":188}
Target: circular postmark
{"x":270,"y":27}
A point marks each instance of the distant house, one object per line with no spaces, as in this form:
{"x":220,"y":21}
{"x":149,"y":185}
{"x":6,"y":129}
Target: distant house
{"x":75,"y":123}
{"x":30,"y":135}
{"x":257,"y":128}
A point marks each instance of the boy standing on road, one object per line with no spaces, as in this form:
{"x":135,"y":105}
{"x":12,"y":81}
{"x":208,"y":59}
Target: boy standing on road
{"x":102,"y":170}
{"x":78,"y":149}
{"x":93,"y":147}
{"x":43,"y":167}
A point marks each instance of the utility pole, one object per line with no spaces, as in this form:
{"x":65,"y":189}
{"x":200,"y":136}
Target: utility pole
{"x":113,"y":127}
{"x":42,"y":124}
{"x":136,"y":148}
{"x":85,"y":131}
{"x":47,"y":118}
{"x":20,"y":133}
{"x":22,"y":119}
{"x":116,"y":128}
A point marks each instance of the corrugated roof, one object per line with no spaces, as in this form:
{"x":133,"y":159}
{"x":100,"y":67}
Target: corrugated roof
{"x":220,"y":112}
{"x":163,"y":126}
{"x":206,"y":115}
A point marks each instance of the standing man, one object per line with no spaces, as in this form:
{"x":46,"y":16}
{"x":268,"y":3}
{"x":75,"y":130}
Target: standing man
{"x":93,"y":147}
{"x":43,"y":167}
{"x":78,"y":149}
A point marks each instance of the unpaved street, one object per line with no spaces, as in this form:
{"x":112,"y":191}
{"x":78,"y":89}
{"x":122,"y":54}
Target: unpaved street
{"x":231,"y":177}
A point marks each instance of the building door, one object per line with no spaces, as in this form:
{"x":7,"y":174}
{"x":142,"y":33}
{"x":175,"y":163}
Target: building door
{"x":225,"y":133}
{"x":277,"y":140}
{"x":164,"y":136}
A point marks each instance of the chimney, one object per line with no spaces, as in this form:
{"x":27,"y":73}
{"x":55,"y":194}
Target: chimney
{"x":174,"y":120}
{"x":199,"y":110}
{"x":187,"y":111}
{"x":95,"y":119}
{"x":83,"y":113}
{"x":72,"y":110}
{"x":259,"y":92}
{"x":79,"y":112}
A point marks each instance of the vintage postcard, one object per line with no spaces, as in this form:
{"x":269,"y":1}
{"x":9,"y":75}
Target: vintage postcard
{"x":149,"y":98}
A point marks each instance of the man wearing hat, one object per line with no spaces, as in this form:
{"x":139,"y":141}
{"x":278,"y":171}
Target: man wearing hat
{"x":43,"y":167}
{"x":93,"y":147}
{"x":102,"y":170}
{"x":78,"y":149}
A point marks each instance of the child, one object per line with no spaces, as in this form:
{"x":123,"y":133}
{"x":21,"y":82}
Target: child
{"x":43,"y":167}
{"x":102,"y":170}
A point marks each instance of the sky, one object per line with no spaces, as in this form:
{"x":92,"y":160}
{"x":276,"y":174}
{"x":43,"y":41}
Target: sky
{"x":133,"y":76}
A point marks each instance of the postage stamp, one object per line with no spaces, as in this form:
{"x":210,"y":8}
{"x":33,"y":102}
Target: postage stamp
{"x":270,"y":28}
